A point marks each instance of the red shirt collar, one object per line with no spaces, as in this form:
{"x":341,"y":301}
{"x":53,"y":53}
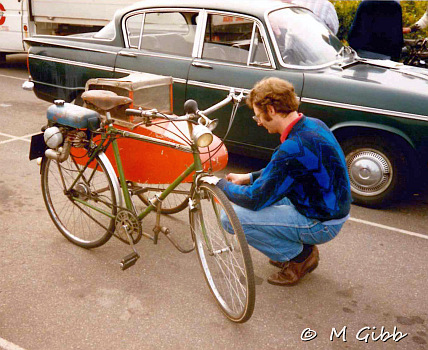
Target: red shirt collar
{"x":290,"y":126}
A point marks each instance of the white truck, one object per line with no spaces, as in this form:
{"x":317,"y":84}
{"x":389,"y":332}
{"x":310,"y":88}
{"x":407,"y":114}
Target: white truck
{"x":20,"y":19}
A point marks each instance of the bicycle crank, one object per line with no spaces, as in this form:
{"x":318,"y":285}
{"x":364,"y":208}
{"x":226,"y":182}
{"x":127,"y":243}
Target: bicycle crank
{"x":128,"y":230}
{"x":128,"y":227}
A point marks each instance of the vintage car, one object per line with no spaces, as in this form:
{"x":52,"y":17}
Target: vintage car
{"x":378,"y":110}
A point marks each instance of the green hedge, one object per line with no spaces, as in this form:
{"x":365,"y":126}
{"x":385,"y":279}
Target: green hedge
{"x":412,"y":11}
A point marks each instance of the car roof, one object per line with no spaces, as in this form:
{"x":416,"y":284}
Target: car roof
{"x":254,"y":7}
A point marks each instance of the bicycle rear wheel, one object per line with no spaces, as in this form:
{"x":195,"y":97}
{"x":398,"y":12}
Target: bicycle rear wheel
{"x":225,"y":258}
{"x":175,"y":202}
{"x":89,"y":225}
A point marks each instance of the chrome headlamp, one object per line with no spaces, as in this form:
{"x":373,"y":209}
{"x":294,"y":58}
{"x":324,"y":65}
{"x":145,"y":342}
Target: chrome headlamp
{"x":202,"y":136}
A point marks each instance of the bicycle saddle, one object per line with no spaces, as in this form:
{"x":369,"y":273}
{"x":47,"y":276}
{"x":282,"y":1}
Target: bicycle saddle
{"x":104,"y":99}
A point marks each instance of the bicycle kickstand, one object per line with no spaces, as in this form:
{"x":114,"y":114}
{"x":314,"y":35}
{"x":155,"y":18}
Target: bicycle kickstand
{"x":165,"y":230}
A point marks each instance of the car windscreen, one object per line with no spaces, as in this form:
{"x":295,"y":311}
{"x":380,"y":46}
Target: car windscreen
{"x":302,"y":39}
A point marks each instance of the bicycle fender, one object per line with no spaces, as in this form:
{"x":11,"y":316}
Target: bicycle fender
{"x":113,"y":177}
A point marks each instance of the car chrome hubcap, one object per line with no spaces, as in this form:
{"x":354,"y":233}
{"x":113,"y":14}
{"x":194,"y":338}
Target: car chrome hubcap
{"x":370,"y":171}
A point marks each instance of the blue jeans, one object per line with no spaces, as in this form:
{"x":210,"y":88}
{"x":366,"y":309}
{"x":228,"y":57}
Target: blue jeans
{"x":279,"y":231}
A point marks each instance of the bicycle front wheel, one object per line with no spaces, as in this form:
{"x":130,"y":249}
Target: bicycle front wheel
{"x":225,"y":257}
{"x":84,"y":213}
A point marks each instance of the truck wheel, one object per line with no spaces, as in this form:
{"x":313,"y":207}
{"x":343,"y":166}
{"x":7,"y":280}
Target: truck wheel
{"x":378,"y":170}
{"x":2,"y":58}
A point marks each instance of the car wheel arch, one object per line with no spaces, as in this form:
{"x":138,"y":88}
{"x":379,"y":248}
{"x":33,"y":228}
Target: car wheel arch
{"x":351,"y":138}
{"x":343,"y":130}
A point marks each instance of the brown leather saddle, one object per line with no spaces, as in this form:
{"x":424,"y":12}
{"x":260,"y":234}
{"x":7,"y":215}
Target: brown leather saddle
{"x":105,"y":100}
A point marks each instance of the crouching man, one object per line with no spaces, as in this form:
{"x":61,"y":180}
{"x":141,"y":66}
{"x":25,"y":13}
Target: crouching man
{"x":302,"y":197}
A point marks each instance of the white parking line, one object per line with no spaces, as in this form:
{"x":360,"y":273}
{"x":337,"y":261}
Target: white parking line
{"x":390,"y":228}
{"x":12,"y":77}
{"x":365,"y":222}
{"x":17,"y":138}
{"x":6,"y":345}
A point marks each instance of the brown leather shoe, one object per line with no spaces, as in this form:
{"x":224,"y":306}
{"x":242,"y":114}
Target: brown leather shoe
{"x":279,"y":264}
{"x":292,"y":272}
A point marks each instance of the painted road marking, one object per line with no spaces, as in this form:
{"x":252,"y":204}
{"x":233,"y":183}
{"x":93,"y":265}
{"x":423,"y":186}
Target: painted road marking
{"x":17,"y":138}
{"x":390,"y":228}
{"x":6,"y":345}
{"x":365,"y":222}
{"x":12,"y":77}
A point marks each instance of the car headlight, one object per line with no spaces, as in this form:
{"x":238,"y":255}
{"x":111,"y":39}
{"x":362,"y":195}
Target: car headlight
{"x":53,"y":137}
{"x":202,"y":136}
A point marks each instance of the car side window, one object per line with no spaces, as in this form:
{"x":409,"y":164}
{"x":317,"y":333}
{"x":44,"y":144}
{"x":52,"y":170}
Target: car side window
{"x":228,"y":38}
{"x":170,"y":32}
{"x":259,"y":55}
{"x":133,"y":29}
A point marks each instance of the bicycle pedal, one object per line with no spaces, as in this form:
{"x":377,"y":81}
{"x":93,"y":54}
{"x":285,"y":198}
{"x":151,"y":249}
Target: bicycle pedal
{"x":129,"y":261}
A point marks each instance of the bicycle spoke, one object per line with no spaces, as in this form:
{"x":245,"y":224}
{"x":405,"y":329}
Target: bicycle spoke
{"x":225,"y":262}
{"x":175,"y":202}
{"x":64,"y":183}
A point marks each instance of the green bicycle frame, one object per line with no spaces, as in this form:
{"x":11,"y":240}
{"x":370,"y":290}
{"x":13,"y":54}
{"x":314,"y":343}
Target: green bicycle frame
{"x":110,"y":138}
{"x":112,"y":131}
{"x":195,"y":166}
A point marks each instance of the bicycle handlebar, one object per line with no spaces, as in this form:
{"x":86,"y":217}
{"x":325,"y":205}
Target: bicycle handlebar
{"x":217,"y":106}
{"x":190,"y":108}
{"x":141,"y":113}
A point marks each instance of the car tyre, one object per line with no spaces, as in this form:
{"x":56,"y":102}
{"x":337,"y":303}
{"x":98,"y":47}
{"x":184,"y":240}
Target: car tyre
{"x":378,"y":169}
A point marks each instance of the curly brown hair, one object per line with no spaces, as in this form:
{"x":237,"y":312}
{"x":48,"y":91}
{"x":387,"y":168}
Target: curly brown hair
{"x":276,"y":92}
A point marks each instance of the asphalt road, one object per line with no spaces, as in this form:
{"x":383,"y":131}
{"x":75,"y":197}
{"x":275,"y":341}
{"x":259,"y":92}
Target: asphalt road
{"x":371,"y":281}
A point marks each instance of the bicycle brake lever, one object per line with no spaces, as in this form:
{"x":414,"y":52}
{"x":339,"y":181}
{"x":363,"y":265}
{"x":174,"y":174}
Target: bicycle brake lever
{"x":137,"y":125}
{"x":237,"y":98}
{"x":241,"y":97}
{"x":146,"y":121}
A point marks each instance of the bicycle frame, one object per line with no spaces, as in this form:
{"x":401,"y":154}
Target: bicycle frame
{"x":196,"y":165}
{"x":109,"y":138}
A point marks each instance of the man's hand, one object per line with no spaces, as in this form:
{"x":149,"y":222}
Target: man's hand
{"x":238,"y":179}
{"x":213,"y":180}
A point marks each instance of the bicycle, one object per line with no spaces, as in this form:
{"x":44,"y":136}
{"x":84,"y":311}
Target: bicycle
{"x":89,"y":204}
{"x":415,"y":52}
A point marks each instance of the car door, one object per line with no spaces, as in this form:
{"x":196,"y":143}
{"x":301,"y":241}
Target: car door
{"x":160,"y":42}
{"x":234,"y":52}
